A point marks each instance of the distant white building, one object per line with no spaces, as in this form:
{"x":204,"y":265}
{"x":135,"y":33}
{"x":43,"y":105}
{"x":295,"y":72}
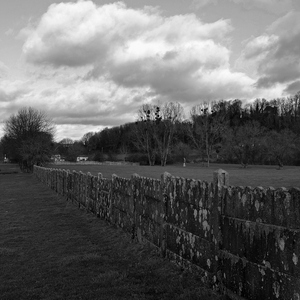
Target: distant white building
{"x":82,"y":158}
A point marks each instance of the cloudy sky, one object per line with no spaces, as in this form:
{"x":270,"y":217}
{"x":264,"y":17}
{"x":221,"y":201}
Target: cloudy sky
{"x":92,"y":64}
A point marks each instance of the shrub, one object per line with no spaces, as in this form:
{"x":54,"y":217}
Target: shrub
{"x":99,"y":156}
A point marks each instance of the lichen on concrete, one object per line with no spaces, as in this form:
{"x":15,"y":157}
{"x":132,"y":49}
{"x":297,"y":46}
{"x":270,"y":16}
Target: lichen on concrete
{"x":245,"y":241}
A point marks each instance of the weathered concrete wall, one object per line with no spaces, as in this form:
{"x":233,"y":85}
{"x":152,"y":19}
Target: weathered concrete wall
{"x":243,"y":241}
{"x":260,"y":244}
{"x":149,"y":210}
{"x":89,"y":162}
{"x":192,"y":234}
{"x":122,"y":202}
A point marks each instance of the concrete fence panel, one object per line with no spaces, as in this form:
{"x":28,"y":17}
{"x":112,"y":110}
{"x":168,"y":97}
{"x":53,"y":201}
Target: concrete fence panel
{"x":243,"y":241}
{"x":122,"y":205}
{"x":149,"y":210}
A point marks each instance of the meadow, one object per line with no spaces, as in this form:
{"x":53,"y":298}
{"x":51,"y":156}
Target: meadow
{"x":265,"y":176}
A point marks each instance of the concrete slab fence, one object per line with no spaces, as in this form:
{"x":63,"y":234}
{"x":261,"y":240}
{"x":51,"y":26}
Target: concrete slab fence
{"x":243,"y":241}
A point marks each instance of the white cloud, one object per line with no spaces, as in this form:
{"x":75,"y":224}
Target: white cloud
{"x":12,"y":90}
{"x":12,"y":94}
{"x":171,"y":56}
{"x":73,"y":131}
{"x":259,"y":46}
{"x":79,"y":33}
{"x":82,"y":33}
{"x":274,"y":56}
{"x":82,"y":104}
{"x":93,"y":66}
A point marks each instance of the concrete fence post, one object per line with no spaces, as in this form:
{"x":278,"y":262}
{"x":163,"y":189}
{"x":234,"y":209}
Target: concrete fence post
{"x":88,"y":192}
{"x":112,"y":198}
{"x":136,"y":198}
{"x":75,"y":187}
{"x":80,"y":185}
{"x":54,"y":183}
{"x":164,"y":198}
{"x":58,"y":178}
{"x":98,"y":194}
{"x":135,"y":194}
{"x":53,"y":179}
{"x":65,"y":178}
{"x":220,"y":179}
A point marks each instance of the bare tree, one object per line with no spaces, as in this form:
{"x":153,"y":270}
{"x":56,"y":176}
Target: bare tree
{"x":86,"y":137}
{"x":87,"y":141}
{"x":66,"y":142}
{"x":27,"y":132}
{"x":207,"y":128}
{"x":143,"y":133}
{"x":155,"y":128}
{"x":35,"y":151}
{"x":27,"y":123}
{"x":171,"y":114}
{"x":282,"y":145}
{"x":245,"y":143}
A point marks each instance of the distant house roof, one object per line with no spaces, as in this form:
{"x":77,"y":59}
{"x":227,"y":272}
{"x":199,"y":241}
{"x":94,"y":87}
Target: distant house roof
{"x":82,"y":157}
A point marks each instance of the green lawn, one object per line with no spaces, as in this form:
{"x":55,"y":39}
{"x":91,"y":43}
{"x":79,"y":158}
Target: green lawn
{"x":8,"y":168}
{"x":264,"y":176}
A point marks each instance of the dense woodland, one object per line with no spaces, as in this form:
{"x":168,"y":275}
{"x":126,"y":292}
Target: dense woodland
{"x":261,"y":132}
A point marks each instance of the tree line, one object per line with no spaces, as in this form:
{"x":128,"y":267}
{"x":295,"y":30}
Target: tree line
{"x":260,"y":132}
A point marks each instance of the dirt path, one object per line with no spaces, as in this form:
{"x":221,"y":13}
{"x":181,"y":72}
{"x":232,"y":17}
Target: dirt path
{"x":50,"y":249}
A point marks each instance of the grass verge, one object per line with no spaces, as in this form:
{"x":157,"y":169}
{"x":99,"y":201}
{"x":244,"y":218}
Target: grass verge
{"x":49,"y":249}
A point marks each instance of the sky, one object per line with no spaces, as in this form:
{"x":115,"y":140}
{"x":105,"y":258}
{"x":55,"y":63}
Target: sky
{"x":91,"y":64}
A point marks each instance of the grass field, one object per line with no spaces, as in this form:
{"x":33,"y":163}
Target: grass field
{"x":50,"y":249}
{"x":264,"y":176}
{"x":8,"y":169}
